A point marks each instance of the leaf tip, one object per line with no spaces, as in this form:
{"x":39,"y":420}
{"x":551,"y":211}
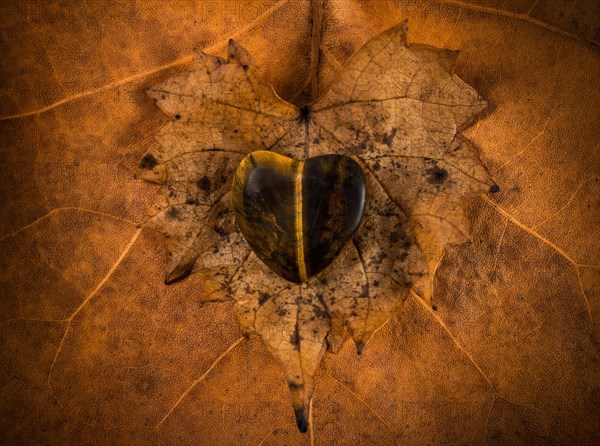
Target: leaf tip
{"x":398,"y":31}
{"x":152,"y":93}
{"x":359,"y":348}
{"x":403,"y":30}
{"x":144,"y":222}
{"x":232,"y":49}
{"x":199,"y":56}
{"x":447,"y":60}
{"x":239,"y":54}
{"x":301,"y":420}
{"x":180,"y":272}
{"x":156,"y":174}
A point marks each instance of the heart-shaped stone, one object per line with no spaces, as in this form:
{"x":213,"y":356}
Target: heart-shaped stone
{"x":297,"y":215}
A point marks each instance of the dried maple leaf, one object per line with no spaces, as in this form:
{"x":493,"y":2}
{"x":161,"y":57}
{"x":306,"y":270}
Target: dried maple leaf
{"x":397,"y":109}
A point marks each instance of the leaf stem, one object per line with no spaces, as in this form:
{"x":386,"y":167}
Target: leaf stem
{"x":315,"y":47}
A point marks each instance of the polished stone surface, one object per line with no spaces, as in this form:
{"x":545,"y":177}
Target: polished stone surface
{"x":297,"y":215}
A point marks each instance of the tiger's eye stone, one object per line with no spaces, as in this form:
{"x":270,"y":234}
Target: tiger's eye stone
{"x":298,"y":215}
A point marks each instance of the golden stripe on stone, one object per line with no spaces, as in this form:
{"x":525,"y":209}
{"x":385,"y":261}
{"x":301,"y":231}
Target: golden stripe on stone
{"x":299,"y":216}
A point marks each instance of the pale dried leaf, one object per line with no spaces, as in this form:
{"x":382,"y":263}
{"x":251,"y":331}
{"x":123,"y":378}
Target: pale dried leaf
{"x":397,"y":110}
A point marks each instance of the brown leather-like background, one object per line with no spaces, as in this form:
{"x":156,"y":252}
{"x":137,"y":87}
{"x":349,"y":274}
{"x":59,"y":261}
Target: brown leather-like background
{"x":95,"y":349}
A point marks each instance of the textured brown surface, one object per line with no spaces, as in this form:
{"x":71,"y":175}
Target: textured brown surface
{"x":95,"y":349}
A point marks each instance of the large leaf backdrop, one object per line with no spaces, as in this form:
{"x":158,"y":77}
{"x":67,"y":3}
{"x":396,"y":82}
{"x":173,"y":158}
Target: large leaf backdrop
{"x":95,"y":349}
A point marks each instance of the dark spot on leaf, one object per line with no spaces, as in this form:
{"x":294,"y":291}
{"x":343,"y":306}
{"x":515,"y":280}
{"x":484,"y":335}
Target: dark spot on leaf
{"x":365,"y":291}
{"x":495,"y":188}
{"x":148,"y":162}
{"x":191,"y":200}
{"x":177,"y":117}
{"x":434,"y":307}
{"x":347,"y":48}
{"x":204,"y":184}
{"x":263,"y":298}
{"x":173,"y":213}
{"x":394,"y":237}
{"x":304,"y":114}
{"x":222,"y":232}
{"x":144,"y":385}
{"x":437,"y":175}
{"x":295,"y":338}
{"x":361,"y":147}
{"x":319,"y":312}
{"x":387,"y":138}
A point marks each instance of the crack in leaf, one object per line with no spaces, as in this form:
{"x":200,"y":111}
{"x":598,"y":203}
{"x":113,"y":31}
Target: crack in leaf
{"x":364,"y":403}
{"x":454,"y":340}
{"x":518,"y":16}
{"x":270,"y":434}
{"x":487,"y":419}
{"x":198,"y":381}
{"x":466,"y":353}
{"x":176,"y":63}
{"x":556,"y":248}
{"x":530,"y":231}
{"x":64,"y":209}
{"x":514,"y":157}
{"x":567,"y":203}
{"x":90,"y":296}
